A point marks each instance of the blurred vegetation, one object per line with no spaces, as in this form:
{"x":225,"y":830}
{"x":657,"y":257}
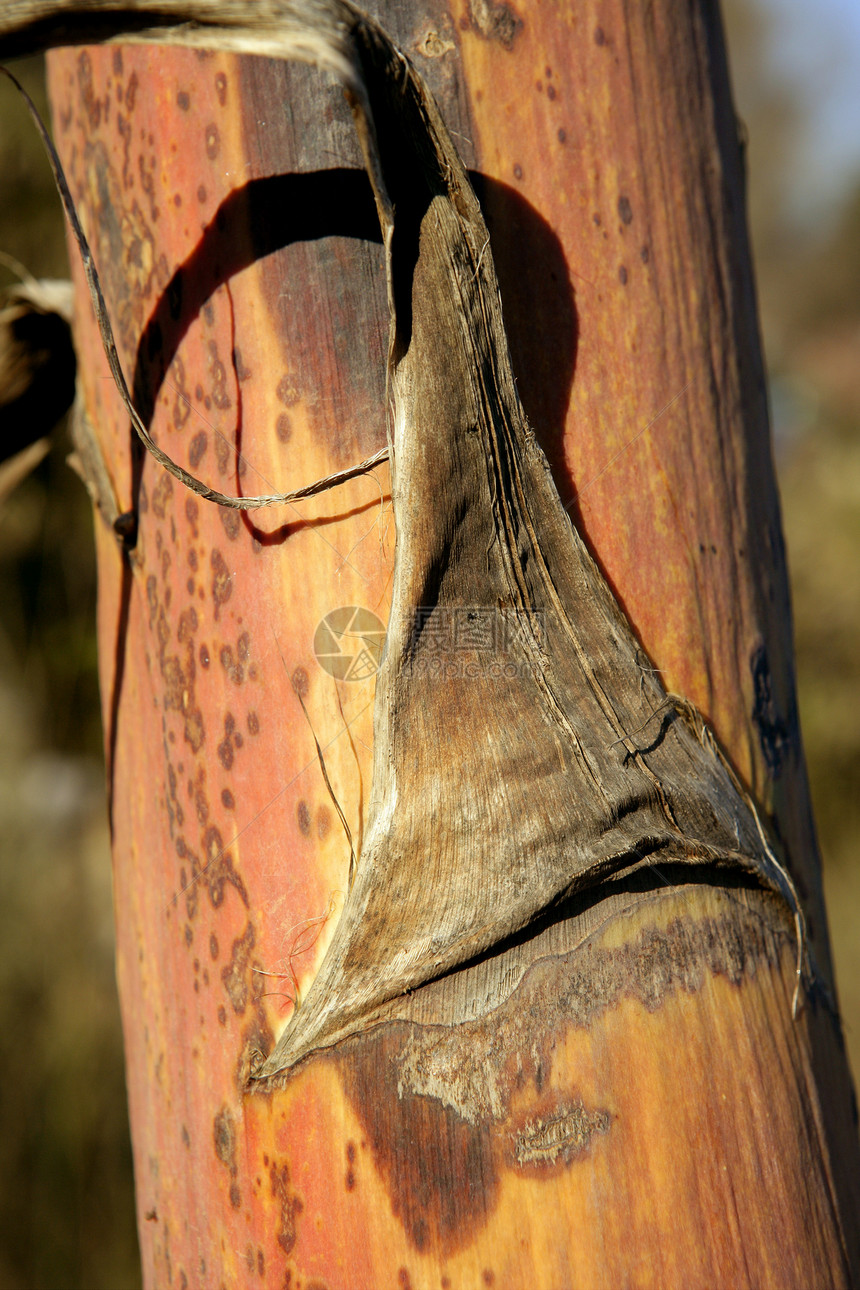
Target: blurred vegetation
{"x":66,"y":1199}
{"x":66,"y":1196}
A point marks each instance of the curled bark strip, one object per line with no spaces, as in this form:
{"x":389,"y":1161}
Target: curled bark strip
{"x":523,"y":752}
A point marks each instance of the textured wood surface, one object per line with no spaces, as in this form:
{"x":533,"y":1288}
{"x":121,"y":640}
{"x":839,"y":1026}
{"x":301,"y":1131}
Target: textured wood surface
{"x":642,"y":1109}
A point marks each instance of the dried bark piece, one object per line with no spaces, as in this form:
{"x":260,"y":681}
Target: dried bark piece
{"x":543,"y":757}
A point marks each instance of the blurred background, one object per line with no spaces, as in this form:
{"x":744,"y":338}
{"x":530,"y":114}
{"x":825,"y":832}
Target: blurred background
{"x":66,"y":1191}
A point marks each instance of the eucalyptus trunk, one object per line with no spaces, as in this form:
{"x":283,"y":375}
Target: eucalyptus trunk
{"x":497,"y":956}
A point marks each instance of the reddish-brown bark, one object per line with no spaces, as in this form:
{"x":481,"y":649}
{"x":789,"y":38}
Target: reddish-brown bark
{"x":613,"y":193}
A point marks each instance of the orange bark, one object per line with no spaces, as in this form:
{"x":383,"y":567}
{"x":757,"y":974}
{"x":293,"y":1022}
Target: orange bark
{"x":607,"y":140}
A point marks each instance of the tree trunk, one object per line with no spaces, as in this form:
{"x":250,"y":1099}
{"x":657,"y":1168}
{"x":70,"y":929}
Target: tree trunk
{"x":599,"y":1081}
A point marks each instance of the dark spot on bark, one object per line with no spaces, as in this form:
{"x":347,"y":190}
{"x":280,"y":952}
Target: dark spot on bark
{"x":599,"y":37}
{"x":622,"y":275}
{"x":213,"y":141}
{"x":231,"y":521}
{"x":227,"y":800}
{"x":550,"y":92}
{"x":438,"y":1169}
{"x":187,"y":626}
{"x":562,"y":136}
{"x":152,"y":596}
{"x":219,"y":871}
{"x":261,"y":1264}
{"x":224,"y":1137}
{"x":192,"y":512}
{"x":183,"y":100}
{"x":350,"y":1180}
{"x":201,"y":194}
{"x":225,"y":753}
{"x":253,"y":723}
{"x":162,"y":494}
{"x":221,"y":88}
{"x":235,"y":974}
{"x":91,"y":103}
{"x":213,"y":945}
{"x":231,"y":665}
{"x":303,"y":816}
{"x":774,"y":731}
{"x":644,"y":255}
{"x":238,"y":740}
{"x":290,"y":1205}
{"x":218,"y":373}
{"x":323,"y":822}
{"x":186,"y":1137}
{"x":495,"y":21}
{"x":189,"y":936}
{"x":204,"y":656}
{"x":284,"y":428}
{"x":403,"y":1278}
{"x":222,"y":453}
{"x":518,"y":171}
{"x":177,"y":202}
{"x":199,"y":444}
{"x":625,"y":210}
{"x":222,"y":1015}
{"x":222,"y":583}
{"x":562,"y":1136}
{"x":300,"y":683}
{"x":288,"y":390}
{"x":192,"y":559}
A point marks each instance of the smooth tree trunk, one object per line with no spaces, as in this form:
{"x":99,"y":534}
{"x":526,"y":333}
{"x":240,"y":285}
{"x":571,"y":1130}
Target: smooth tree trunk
{"x":553,"y":1040}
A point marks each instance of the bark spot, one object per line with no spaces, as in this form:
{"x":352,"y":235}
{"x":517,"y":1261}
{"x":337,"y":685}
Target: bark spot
{"x":222,"y":581}
{"x":288,"y":390}
{"x":218,"y":870}
{"x":438,"y":1169}
{"x":564,"y":1135}
{"x":495,"y":21}
{"x":213,"y":141}
{"x":323,"y":822}
{"x":290,"y":1205}
{"x":224,"y":1138}
{"x":625,"y":210}
{"x":231,"y":522}
{"x":235,"y":974}
{"x":162,"y":494}
{"x":199,"y":444}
